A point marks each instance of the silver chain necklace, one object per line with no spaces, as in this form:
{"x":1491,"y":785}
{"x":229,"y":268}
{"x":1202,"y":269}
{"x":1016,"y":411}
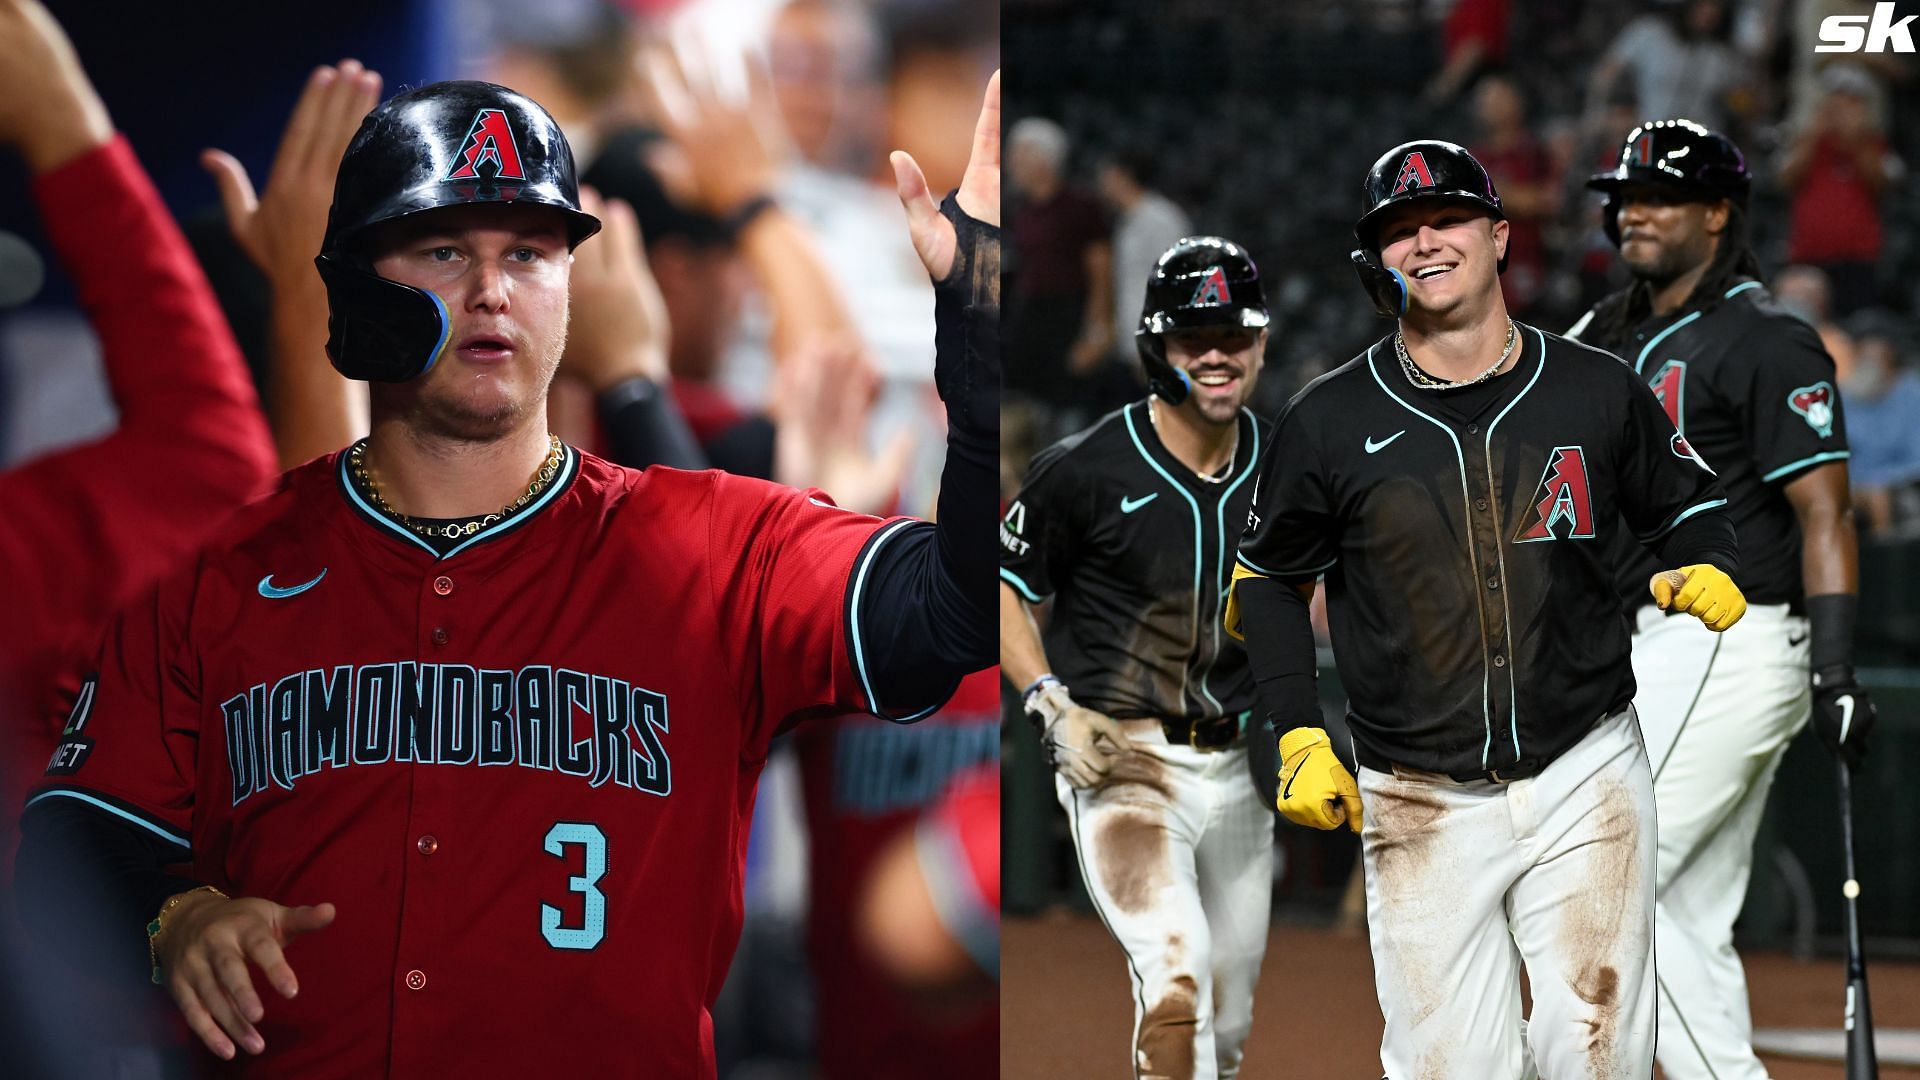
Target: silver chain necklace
{"x":1425,"y":381}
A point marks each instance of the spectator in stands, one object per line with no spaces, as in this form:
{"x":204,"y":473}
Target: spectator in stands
{"x":1804,"y":290}
{"x":1529,"y":188}
{"x":1473,"y":40}
{"x":1837,"y":168}
{"x":1680,"y":63}
{"x":1882,"y":393}
{"x":1145,"y":224}
{"x":1059,"y":327}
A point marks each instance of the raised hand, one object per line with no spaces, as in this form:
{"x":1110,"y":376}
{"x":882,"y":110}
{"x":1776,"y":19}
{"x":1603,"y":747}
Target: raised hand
{"x":204,"y":948}
{"x":823,"y":398}
{"x":619,"y":323}
{"x":979,"y":195}
{"x":732,"y":140}
{"x":281,"y":230}
{"x":49,"y":111}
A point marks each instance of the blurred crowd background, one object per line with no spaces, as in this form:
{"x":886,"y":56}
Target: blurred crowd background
{"x":1134,"y":122}
{"x":800,"y":351}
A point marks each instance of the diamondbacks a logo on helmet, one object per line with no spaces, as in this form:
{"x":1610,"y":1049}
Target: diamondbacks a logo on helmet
{"x":489,"y":138}
{"x":1213,"y":289}
{"x":1413,"y":173}
{"x":1642,"y":149}
{"x":1563,"y":497}
{"x":1815,"y":406}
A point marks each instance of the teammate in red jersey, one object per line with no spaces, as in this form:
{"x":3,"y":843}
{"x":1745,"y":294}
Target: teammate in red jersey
{"x":481,"y":713}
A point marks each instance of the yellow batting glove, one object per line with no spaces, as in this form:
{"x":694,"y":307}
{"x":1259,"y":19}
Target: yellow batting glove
{"x":1230,"y":614}
{"x":1315,"y":789}
{"x":1703,"y":591}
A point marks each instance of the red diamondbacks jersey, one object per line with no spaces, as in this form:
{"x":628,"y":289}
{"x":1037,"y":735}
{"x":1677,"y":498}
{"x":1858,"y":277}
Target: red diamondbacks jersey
{"x":523,"y":772}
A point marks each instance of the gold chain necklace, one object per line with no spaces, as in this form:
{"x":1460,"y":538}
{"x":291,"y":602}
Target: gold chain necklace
{"x":1425,"y":381}
{"x":357,"y":459}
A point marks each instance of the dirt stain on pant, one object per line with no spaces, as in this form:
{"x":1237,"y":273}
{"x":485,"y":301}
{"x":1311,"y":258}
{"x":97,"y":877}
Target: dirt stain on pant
{"x":1595,"y":933}
{"x":1133,"y":863}
{"x":1167,"y":1031}
{"x":1403,"y":823}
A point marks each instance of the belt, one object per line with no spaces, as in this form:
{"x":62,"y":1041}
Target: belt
{"x":1218,"y":733}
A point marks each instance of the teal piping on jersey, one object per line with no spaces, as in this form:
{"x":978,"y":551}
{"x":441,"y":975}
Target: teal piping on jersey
{"x":1220,"y":565}
{"x":1513,"y":693}
{"x":1740,"y":288}
{"x":569,"y":464}
{"x":1697,"y":508}
{"x":853,"y":609}
{"x":1466,"y":510}
{"x":1194,"y":505}
{"x":1786,"y":470}
{"x":69,"y":793}
{"x":1264,"y":572}
{"x":1026,"y":590}
{"x":1641,"y":360}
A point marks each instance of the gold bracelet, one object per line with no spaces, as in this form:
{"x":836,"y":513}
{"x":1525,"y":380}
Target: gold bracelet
{"x":153,"y":928}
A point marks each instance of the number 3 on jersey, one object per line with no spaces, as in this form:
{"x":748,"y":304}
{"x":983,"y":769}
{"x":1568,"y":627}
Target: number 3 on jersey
{"x":594,"y":901}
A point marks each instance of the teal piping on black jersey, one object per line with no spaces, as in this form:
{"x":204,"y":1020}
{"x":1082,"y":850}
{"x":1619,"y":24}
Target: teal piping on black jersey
{"x":1793,"y":467}
{"x":1641,"y":360}
{"x":1740,"y":288}
{"x":1220,"y":564}
{"x":1026,"y":590}
{"x":68,"y":793}
{"x":1500,"y":549}
{"x":853,"y":622}
{"x":1466,"y":511}
{"x":1186,"y":671}
{"x":569,"y":466}
{"x":1697,"y":508}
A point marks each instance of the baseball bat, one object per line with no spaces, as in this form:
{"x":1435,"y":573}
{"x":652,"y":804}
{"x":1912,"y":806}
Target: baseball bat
{"x":1861,"y":1062}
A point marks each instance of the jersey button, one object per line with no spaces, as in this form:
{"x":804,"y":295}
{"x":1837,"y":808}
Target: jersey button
{"x":443,"y":584}
{"x":1473,"y":429}
{"x":428,"y":845}
{"x":1499,"y":661}
{"x":1479,"y":504}
{"x":439,"y":635}
{"x":1493,"y":584}
{"x":416,"y":979}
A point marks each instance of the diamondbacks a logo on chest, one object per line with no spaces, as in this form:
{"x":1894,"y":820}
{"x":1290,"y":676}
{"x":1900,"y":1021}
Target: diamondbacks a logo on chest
{"x":1815,"y":406}
{"x":598,"y":728}
{"x":1562,"y":506}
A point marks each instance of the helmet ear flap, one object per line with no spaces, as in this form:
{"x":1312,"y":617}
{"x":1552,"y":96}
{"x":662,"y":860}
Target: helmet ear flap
{"x":1386,"y":285}
{"x":380,"y":330}
{"x":1164,"y":381}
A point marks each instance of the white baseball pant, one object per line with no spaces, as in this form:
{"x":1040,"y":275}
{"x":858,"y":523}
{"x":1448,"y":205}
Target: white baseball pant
{"x":1718,"y":711}
{"x":1177,"y":851}
{"x":1465,"y":882}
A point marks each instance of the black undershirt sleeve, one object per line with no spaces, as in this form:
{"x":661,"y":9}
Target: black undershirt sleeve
{"x":1702,"y":538}
{"x":644,"y":427}
{"x":87,"y":883}
{"x":1279,"y":642}
{"x":930,"y":611}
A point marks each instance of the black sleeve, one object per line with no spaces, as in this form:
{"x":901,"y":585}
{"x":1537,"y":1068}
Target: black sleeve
{"x":1279,"y":640}
{"x":932,"y":615}
{"x":644,"y":427}
{"x":87,"y":883}
{"x":1702,"y":538}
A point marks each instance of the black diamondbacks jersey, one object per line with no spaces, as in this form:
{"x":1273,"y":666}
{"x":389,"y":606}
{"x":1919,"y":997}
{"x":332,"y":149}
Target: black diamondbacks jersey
{"x":1752,"y":388}
{"x":1137,"y":552}
{"x":1463,"y":540}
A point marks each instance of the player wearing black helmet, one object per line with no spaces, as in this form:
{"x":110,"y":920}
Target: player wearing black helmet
{"x":1129,"y":527}
{"x":1753,"y":391}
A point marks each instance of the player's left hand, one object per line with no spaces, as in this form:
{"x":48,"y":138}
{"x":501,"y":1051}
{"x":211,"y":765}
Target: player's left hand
{"x":1315,"y":788}
{"x":979,"y":195}
{"x":1843,"y":714}
{"x":1701,"y":590}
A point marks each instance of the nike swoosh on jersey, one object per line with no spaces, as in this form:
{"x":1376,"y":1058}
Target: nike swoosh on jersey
{"x":1845,"y":701}
{"x":274,"y":592}
{"x":1128,"y":506}
{"x":1376,"y":447}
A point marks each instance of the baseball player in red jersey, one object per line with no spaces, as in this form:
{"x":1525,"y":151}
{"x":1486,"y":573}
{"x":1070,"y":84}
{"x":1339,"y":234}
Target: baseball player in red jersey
{"x":867,"y":784}
{"x":480,"y":712}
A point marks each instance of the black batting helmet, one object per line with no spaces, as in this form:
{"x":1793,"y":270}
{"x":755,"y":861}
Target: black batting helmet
{"x":1200,"y":281}
{"x":1678,"y":154}
{"x":445,"y":144}
{"x":1424,"y":169}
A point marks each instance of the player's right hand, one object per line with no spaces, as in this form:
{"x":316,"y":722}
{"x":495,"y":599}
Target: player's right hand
{"x":1080,"y":743}
{"x":1315,"y":789}
{"x":1701,"y":590}
{"x":204,"y":948}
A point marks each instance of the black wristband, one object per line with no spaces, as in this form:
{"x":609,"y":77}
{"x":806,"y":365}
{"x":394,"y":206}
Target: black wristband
{"x":741,"y":216}
{"x":644,"y":428}
{"x":1830,"y":619}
